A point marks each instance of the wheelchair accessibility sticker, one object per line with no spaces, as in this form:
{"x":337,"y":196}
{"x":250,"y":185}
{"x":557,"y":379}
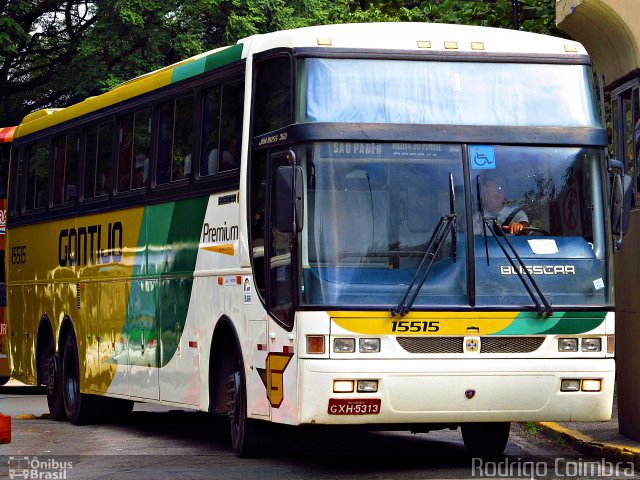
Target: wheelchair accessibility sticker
{"x":482,"y":157}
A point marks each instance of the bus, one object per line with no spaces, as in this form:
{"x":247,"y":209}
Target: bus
{"x":6,"y":137}
{"x":302,"y":229}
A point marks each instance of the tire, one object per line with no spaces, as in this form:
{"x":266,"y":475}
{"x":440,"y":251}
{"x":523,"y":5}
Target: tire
{"x":4,"y":380}
{"x":53,"y":378}
{"x":247,"y":435}
{"x":79,"y":407}
{"x":485,"y":439}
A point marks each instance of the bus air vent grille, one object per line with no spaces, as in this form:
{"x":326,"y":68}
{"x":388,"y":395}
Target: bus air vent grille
{"x":435,"y":345}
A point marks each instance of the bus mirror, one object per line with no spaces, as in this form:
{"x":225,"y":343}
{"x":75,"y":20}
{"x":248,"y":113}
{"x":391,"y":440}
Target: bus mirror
{"x":621,"y":197}
{"x":289,"y":199}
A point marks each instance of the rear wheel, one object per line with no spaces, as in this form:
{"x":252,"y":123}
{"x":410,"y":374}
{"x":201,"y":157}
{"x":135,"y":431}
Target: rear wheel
{"x":485,"y":439}
{"x":55,"y":399}
{"x":79,"y":407}
{"x":4,"y":380}
{"x":245,"y":432}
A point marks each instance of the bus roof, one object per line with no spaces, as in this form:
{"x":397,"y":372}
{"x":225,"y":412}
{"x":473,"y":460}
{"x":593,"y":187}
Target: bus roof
{"x":6,"y":134}
{"x":416,"y":36}
{"x":377,"y":36}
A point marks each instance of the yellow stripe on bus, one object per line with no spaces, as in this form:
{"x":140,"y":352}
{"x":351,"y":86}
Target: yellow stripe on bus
{"x":423,"y":323}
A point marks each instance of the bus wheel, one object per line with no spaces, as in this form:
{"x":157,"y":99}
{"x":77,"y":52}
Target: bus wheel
{"x":78,"y":406}
{"x":4,"y":380}
{"x":485,"y":439}
{"x":54,"y":387}
{"x":244,"y":431}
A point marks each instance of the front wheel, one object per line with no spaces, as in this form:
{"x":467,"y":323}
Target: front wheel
{"x":4,"y":380}
{"x":245,"y":432}
{"x":485,"y":439}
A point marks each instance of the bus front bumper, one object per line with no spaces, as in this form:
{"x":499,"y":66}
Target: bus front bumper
{"x":454,"y":391}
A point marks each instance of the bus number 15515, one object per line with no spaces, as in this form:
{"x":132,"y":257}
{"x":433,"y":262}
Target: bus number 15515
{"x":415,"y":326}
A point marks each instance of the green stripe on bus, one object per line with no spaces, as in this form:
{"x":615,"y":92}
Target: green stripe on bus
{"x":530,"y":323}
{"x":205,"y":64}
{"x":157,"y":308}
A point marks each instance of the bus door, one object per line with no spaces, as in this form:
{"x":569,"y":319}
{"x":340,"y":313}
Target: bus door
{"x":280,"y":281}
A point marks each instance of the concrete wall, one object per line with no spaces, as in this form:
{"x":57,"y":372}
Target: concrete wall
{"x":610,"y":31}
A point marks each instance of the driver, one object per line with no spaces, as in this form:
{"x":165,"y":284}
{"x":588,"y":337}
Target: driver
{"x":512,"y":217}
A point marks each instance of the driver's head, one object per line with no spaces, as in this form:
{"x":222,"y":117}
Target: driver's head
{"x":493,"y":195}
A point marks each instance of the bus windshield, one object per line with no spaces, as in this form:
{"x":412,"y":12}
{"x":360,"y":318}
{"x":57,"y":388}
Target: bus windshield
{"x":371,"y":209}
{"x":451,"y":93}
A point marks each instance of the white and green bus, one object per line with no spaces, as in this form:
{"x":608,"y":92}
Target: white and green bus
{"x":399,"y":226}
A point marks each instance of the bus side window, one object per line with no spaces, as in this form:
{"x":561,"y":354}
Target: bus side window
{"x":133,"y":151}
{"x":231,"y":125}
{"x":222,"y":128}
{"x":37,"y":175}
{"x":65,"y":168}
{"x":272,"y":105}
{"x":98,"y":162}
{"x":210,"y":132}
{"x":16,"y":178}
{"x":175,"y":140}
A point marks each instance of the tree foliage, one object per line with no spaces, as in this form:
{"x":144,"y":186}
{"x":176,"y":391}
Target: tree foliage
{"x":56,"y":52}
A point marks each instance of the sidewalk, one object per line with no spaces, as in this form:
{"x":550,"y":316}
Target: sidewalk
{"x":597,"y":439}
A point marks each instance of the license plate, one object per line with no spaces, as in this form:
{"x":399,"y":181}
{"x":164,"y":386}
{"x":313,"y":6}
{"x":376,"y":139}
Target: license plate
{"x":354,"y":406}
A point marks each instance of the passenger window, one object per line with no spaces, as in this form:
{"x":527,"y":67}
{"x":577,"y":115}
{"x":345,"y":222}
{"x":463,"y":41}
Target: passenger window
{"x":222,"y":128}
{"x":65,"y":169}
{"x":272,"y":108}
{"x":210,"y":132}
{"x":175,"y":148}
{"x":37,"y":176}
{"x":16,"y":173}
{"x":133,"y":151}
{"x":98,"y":177}
{"x":231,"y":125}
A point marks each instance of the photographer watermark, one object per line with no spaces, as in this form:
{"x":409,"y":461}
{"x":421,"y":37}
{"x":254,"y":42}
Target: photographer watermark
{"x":38,"y":468}
{"x":569,"y":468}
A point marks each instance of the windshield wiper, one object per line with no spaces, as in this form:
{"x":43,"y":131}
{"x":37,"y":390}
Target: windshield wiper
{"x":494,"y":225}
{"x":446,"y":225}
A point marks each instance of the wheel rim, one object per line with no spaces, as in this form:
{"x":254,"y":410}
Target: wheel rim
{"x":52,"y":376}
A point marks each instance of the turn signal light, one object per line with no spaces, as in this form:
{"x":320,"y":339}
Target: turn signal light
{"x":315,"y":344}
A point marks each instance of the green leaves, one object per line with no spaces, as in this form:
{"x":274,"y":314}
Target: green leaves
{"x":57,"y":52}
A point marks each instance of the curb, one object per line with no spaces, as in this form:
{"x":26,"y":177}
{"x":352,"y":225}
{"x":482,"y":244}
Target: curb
{"x":614,"y":452}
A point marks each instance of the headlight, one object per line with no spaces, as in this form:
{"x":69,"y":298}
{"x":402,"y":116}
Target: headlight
{"x":367,"y":386}
{"x":369,"y":345}
{"x":570,"y":385}
{"x":591,"y":345}
{"x":567,"y":344}
{"x":344,"y":345}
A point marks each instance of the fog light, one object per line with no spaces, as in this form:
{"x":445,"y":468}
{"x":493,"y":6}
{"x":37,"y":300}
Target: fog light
{"x":367,"y":386}
{"x":344,"y":345}
{"x":369,"y":345}
{"x":315,"y":344}
{"x":342,"y":386}
{"x":591,"y":385}
{"x":567,"y":344}
{"x":591,"y":345}
{"x":570,"y":386}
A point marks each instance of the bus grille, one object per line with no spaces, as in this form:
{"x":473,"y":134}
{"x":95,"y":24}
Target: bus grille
{"x":432,"y":345}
